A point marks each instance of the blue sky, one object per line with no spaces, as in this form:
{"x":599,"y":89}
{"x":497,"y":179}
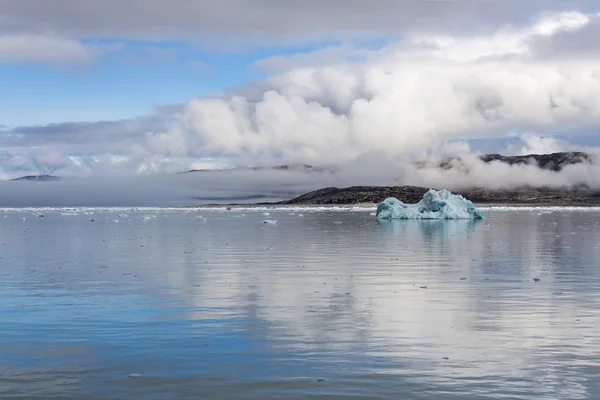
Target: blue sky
{"x":117,"y":86}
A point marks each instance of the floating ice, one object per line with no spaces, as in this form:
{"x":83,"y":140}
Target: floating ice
{"x":270,"y":221}
{"x":435,"y":205}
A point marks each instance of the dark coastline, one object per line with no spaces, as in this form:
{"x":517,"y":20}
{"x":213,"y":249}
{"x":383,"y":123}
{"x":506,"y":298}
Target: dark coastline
{"x":412,"y":194}
{"x":369,"y":195}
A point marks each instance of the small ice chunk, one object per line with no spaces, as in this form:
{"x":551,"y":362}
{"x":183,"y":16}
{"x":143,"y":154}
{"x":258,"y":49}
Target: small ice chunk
{"x":148,"y":217}
{"x":135,"y":376}
{"x":338,"y":222}
{"x":435,"y":205}
{"x":270,"y":221}
{"x":266,"y":214}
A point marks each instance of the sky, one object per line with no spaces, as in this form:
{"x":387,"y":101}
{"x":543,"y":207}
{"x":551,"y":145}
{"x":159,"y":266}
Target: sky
{"x":149,"y":86}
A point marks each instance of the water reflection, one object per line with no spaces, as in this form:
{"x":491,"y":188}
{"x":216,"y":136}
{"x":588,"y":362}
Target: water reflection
{"x":233,"y":308}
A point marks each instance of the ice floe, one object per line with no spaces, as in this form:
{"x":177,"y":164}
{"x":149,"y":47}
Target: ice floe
{"x":435,"y":205}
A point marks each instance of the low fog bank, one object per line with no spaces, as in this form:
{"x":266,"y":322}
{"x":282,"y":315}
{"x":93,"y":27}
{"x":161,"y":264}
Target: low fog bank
{"x":268,"y":185}
{"x":212,"y":187}
{"x":470,"y":171}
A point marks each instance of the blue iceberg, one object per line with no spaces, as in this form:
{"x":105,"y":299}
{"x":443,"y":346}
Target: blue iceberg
{"x":435,"y":205}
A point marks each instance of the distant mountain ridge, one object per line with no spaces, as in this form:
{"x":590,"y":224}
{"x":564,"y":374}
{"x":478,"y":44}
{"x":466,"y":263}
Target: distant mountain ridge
{"x":38,"y":178}
{"x":412,"y":194}
{"x":553,"y":161}
{"x":284,"y":167}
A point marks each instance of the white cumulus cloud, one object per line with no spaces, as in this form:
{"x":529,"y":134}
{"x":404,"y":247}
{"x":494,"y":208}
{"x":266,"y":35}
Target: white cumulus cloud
{"x":41,"y":48}
{"x":400,"y":102}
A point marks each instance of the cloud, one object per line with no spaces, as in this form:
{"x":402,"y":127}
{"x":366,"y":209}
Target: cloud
{"x":368,"y":112}
{"x":552,"y":23}
{"x":15,"y":162}
{"x":141,"y":54}
{"x":273,"y":20}
{"x":111,"y":135}
{"x":398,"y":102}
{"x":533,"y":144}
{"x":70,"y":31}
{"x":567,"y":44}
{"x":496,"y":175}
{"x":73,"y":148}
{"x":333,"y":55}
{"x":41,"y":48}
{"x":506,"y":41}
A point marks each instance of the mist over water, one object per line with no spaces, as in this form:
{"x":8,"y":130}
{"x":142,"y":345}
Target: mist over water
{"x":212,"y":187}
{"x":272,"y":185}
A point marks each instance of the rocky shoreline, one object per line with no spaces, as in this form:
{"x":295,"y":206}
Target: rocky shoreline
{"x":412,"y":194}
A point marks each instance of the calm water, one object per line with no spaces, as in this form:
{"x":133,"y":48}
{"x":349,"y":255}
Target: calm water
{"x":328,"y":305}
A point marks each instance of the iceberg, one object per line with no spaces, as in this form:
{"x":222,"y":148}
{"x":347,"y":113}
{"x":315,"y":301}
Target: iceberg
{"x":435,"y":205}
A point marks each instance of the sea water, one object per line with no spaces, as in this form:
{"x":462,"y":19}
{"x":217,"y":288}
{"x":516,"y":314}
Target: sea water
{"x":325,"y":304}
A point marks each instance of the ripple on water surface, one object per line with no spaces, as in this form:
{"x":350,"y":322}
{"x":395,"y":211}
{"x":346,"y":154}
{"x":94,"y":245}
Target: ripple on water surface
{"x":322,"y":304}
